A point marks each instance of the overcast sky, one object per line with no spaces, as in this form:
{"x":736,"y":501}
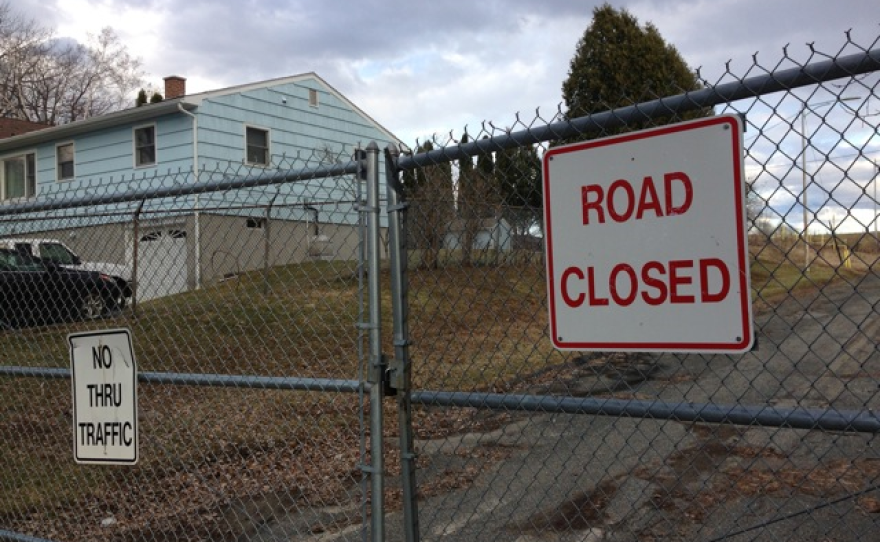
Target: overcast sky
{"x":423,"y":68}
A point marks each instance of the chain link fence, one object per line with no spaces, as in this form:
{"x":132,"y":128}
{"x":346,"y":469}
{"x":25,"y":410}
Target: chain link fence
{"x":271,"y":310}
{"x":247,"y":301}
{"x":519,"y":441}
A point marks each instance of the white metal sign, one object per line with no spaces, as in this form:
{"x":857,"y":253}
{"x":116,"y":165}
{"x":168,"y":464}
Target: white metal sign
{"x":646,"y":241}
{"x":104,"y":382}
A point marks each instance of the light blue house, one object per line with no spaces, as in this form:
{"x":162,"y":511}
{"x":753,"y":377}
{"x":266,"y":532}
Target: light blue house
{"x":181,"y":243}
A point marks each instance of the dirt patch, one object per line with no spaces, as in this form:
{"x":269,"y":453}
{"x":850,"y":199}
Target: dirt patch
{"x":581,"y":512}
{"x":694,"y":483}
{"x":590,"y":375}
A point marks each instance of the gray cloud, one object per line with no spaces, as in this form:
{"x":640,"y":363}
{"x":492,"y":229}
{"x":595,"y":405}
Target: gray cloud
{"x":431,"y":68}
{"x":291,"y":37}
{"x":421,"y":67}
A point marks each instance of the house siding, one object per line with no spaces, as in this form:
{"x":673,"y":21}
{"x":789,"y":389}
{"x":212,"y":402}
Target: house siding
{"x":105,"y":158}
{"x":301,"y":135}
{"x":296,"y":128}
{"x":109,"y":154}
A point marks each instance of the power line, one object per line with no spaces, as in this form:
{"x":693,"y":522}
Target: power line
{"x":824,"y":159}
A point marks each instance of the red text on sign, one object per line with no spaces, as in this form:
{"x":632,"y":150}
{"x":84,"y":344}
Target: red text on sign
{"x":675,"y":282}
{"x":620,"y":202}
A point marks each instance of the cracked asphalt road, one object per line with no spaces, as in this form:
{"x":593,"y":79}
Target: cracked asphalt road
{"x":578,"y":477}
{"x":564,"y":477}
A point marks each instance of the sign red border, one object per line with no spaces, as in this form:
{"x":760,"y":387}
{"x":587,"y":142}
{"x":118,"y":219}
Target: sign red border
{"x":746,"y":333}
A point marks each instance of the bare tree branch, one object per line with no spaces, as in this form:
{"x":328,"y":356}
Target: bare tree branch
{"x":57,"y":81}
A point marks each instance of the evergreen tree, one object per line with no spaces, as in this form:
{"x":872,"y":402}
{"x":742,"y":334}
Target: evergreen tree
{"x":432,"y":206}
{"x":485,"y":163}
{"x":467,"y":202}
{"x":141,"y":98}
{"x":478,"y":198}
{"x":486,"y":185}
{"x":620,"y":63}
{"x":518,"y":173}
{"x":156,"y":98}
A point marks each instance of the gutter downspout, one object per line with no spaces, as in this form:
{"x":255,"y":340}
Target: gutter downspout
{"x":312,"y":240}
{"x":267,"y":242}
{"x":197,"y":226}
{"x":314,"y":210}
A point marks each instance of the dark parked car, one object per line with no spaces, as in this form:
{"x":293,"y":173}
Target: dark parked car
{"x":38,"y":292}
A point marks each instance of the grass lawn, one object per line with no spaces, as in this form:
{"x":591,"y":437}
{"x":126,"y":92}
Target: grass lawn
{"x":478,"y":327}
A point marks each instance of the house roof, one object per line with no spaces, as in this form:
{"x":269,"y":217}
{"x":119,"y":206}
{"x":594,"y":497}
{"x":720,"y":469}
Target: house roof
{"x":149,"y":111}
{"x":11,"y":127}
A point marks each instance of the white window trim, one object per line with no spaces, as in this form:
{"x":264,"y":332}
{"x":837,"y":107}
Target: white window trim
{"x":314,"y":98}
{"x":57,"y":169}
{"x":18,"y":154}
{"x":268,"y":145}
{"x":134,"y":148}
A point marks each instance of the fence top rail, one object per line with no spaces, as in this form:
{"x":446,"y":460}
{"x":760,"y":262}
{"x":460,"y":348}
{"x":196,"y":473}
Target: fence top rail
{"x":788,"y":79}
{"x":265,"y":178}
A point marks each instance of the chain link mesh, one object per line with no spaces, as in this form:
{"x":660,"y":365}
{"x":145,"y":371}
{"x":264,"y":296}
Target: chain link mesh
{"x":500,"y":468}
{"x":240,"y":294}
{"x":273,"y":290}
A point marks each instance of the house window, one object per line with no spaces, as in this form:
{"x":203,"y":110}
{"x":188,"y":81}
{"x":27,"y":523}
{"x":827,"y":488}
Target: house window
{"x":145,"y":146}
{"x":65,"y":161}
{"x":313,"y":97}
{"x":19,"y":177}
{"x":257,"y":146}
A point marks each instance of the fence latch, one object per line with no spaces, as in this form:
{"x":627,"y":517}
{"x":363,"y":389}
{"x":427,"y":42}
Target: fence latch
{"x":393,"y":376}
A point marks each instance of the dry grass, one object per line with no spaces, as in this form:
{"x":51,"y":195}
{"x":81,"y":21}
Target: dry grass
{"x":778,"y":264}
{"x":478,"y":328}
{"x":481,"y":327}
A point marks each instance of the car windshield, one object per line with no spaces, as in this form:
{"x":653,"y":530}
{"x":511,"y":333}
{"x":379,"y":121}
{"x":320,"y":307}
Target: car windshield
{"x":11,"y":260}
{"x":57,"y":253}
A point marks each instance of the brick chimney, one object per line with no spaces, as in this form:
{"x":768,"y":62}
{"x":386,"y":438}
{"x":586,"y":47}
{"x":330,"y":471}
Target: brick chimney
{"x":175,"y":87}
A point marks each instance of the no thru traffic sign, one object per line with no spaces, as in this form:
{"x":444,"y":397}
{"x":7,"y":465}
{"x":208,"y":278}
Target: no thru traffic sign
{"x":104,"y":383}
{"x":646,"y":241}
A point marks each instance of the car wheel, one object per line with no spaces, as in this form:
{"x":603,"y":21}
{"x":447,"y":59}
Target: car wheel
{"x":92,"y":306}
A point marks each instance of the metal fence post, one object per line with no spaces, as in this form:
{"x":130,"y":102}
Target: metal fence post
{"x":135,"y":278}
{"x":401,"y":375}
{"x":375,"y":376}
{"x":267,"y":243}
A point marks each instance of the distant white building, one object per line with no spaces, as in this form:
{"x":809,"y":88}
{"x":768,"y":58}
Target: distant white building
{"x":491,"y":233}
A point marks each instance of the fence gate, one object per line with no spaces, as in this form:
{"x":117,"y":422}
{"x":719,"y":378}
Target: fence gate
{"x":253,"y":385}
{"x":517,"y":441}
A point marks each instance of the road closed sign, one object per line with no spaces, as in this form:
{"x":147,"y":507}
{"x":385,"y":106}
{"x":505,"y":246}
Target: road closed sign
{"x":104,"y":382}
{"x":646,"y":241}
